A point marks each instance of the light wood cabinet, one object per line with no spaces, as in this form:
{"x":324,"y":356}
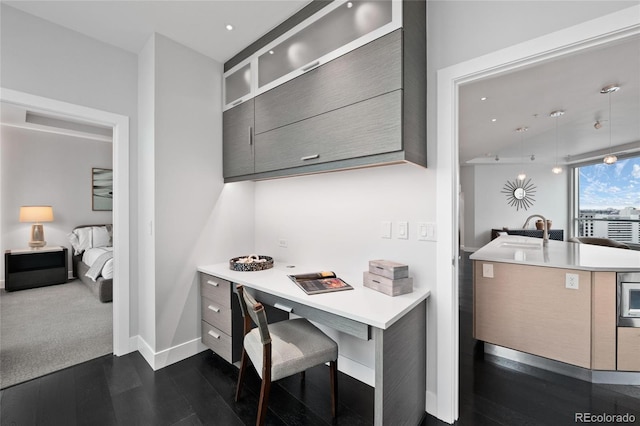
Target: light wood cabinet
{"x":603,"y":317}
{"x":628,"y":349}
{"x":529,"y":309}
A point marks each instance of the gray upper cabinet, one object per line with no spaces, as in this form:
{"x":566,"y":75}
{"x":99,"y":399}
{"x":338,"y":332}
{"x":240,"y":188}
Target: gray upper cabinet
{"x":369,"y":127}
{"x":372,"y":70}
{"x":364,"y":107}
{"x":237,"y":140}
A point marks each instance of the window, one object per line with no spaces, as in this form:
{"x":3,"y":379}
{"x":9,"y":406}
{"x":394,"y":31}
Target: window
{"x":608,"y":200}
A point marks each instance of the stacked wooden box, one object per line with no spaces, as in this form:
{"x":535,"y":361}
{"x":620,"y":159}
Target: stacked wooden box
{"x":390,"y":278}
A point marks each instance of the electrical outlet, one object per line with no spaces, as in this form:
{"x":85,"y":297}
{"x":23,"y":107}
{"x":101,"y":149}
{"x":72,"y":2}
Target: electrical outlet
{"x":572,"y":281}
{"x":283,"y":243}
{"x":487,"y":270}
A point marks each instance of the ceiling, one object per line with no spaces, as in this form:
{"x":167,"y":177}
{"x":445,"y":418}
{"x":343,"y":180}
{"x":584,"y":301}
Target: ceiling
{"x":523,"y":98}
{"x":572,"y":83}
{"x":199,"y":25}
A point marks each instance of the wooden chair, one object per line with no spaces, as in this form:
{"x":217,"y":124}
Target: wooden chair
{"x":282,"y":349}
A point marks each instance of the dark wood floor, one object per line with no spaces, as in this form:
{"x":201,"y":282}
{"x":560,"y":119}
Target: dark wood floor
{"x":199,"y":391}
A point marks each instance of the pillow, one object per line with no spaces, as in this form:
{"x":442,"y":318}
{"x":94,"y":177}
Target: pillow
{"x":81,"y":239}
{"x":100,"y":236}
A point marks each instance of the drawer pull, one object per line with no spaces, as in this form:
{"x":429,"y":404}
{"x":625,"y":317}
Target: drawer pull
{"x":213,"y":308}
{"x":213,"y":334}
{"x":376,"y":281}
{"x":239,"y":101}
{"x":213,"y":283}
{"x":310,"y":157}
{"x":283,"y":307}
{"x":310,"y":66}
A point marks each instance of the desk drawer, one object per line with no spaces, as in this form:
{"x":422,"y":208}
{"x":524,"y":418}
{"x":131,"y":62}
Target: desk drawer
{"x":216,"y":315}
{"x":217,"y":341}
{"x":346,"y":325}
{"x":215,"y":289}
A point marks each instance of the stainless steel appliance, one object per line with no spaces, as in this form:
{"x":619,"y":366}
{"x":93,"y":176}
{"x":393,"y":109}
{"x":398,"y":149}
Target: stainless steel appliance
{"x":629,"y":299}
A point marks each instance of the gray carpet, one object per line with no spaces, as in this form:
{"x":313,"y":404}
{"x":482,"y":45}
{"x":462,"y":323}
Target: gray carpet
{"x":46,"y":329}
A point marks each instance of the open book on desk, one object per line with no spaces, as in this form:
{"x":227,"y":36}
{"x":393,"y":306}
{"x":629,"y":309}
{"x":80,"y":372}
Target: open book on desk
{"x":319,"y":282}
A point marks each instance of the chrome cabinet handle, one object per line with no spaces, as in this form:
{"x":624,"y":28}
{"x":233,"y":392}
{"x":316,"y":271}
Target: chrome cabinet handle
{"x":282,"y":307}
{"x":250,"y":135}
{"x":310,"y":157}
{"x":213,"y":308}
{"x":310,"y":66}
{"x":213,"y":334}
{"x":236,"y":102}
{"x":213,"y":283}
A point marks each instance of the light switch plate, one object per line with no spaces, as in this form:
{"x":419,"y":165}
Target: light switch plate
{"x":426,"y":231}
{"x":385,"y":229}
{"x":403,"y":230}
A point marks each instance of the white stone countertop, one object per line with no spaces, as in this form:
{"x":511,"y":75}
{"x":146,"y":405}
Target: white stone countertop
{"x":558,"y":254}
{"x":361,"y":304}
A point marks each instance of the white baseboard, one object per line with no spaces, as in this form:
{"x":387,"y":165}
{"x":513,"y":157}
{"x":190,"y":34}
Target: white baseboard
{"x":356,"y":370}
{"x":158,"y":360}
{"x":432,"y":403}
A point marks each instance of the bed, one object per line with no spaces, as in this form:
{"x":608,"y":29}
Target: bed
{"x":92,"y":260}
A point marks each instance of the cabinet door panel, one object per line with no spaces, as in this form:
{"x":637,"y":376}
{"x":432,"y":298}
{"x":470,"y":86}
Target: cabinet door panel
{"x":366,"y":128}
{"x":237,"y":140}
{"x":372,"y":70}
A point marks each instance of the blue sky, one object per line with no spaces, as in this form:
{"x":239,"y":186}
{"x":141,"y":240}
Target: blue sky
{"x":616,"y":185}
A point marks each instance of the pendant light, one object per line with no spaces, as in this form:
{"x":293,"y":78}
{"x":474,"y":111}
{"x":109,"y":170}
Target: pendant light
{"x":557,"y":114}
{"x":522,"y":175}
{"x":608,"y":90}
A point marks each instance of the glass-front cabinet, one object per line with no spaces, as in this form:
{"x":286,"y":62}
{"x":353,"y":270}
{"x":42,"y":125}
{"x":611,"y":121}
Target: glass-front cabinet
{"x":335,"y":30}
{"x":237,"y":85}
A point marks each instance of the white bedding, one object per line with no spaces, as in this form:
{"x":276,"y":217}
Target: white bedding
{"x":92,"y":254}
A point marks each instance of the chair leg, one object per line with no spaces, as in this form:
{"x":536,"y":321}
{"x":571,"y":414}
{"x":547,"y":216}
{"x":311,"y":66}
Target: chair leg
{"x":243,"y":368}
{"x":265,"y":388}
{"x":333,"y":371}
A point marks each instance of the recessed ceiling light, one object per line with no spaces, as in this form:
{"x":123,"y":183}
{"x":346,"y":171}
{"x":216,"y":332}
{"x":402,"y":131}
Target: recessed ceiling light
{"x":229,"y":27}
{"x":493,"y":120}
{"x":349,"y":5}
{"x":271,"y":52}
{"x":484,"y":98}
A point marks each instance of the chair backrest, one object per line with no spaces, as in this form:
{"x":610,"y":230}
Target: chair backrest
{"x":254,"y":310}
{"x":607,"y":242}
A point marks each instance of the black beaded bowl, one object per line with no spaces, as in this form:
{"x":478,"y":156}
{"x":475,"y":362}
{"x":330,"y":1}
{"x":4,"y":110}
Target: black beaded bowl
{"x":250,"y":267}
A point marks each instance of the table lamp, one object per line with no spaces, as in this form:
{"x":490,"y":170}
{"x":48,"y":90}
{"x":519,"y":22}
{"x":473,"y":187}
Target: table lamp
{"x":36,"y":215}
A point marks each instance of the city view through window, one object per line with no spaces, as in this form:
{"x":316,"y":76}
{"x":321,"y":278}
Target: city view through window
{"x":609,"y":200}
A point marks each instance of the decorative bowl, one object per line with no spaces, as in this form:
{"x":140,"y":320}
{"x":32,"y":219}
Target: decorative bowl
{"x":257,"y":263}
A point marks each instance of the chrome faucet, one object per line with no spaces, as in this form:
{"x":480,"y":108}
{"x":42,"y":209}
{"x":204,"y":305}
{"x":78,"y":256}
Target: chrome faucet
{"x":545,"y":233}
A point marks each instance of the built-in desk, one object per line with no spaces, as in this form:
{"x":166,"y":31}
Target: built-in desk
{"x":397,"y":326}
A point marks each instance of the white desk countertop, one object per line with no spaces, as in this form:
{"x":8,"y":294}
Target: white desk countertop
{"x":360,"y":304}
{"x":558,"y":254}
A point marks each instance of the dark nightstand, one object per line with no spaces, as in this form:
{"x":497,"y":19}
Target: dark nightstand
{"x":30,"y":268}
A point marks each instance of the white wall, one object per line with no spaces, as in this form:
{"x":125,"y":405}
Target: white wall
{"x":332,"y":221}
{"x":490,"y":208}
{"x":45,"y":59}
{"x":195,"y":219}
{"x":51,"y":169}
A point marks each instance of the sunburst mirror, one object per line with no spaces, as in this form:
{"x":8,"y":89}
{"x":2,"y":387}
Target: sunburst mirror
{"x":520,"y":193}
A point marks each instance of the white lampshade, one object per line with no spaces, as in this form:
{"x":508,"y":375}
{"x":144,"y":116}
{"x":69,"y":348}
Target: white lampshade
{"x":36,"y":214}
